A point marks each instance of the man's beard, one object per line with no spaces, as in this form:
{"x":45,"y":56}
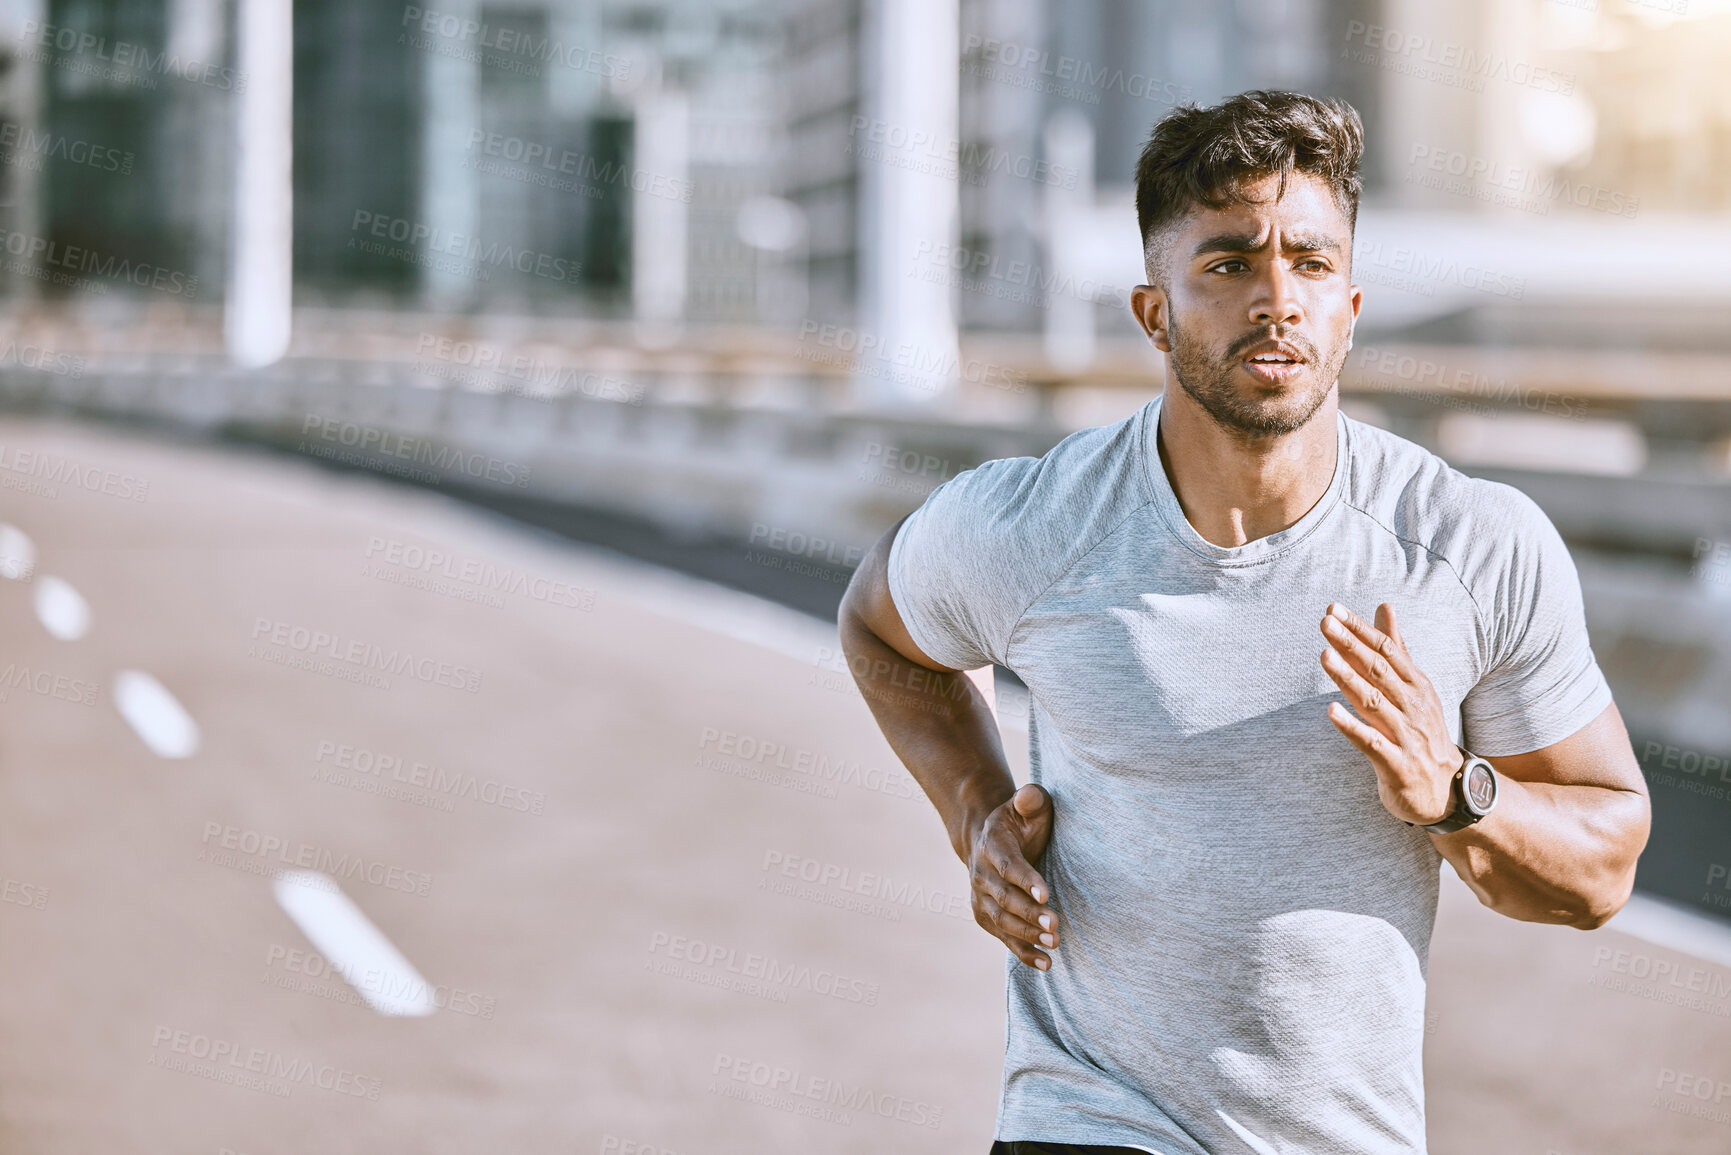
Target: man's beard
{"x":1210,"y":382}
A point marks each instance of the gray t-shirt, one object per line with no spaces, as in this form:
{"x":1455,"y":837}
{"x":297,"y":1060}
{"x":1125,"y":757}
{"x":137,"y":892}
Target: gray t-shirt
{"x":1245,"y":927}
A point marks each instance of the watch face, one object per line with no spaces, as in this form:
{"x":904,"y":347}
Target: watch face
{"x":1480,"y":787}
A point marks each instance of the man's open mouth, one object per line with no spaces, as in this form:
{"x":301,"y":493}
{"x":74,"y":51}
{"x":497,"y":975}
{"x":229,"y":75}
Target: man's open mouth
{"x":1274,"y":362}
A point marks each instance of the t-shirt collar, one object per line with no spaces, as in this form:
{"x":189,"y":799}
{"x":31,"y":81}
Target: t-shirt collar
{"x":1254,"y":552}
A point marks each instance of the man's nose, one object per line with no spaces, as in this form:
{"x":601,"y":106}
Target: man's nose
{"x":1276,"y":304}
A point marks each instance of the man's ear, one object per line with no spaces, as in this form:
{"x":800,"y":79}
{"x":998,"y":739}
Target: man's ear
{"x":1149,"y":305}
{"x":1357,"y":305}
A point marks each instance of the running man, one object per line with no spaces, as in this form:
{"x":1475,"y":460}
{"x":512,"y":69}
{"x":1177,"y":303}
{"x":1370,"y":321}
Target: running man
{"x":1280,"y":662}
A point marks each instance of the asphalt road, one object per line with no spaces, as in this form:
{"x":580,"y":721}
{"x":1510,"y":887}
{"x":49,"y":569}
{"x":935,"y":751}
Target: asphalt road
{"x":578,"y":795}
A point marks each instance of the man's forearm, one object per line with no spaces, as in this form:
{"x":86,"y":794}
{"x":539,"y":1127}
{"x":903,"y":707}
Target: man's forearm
{"x":1549,"y":853}
{"x":939,"y":725}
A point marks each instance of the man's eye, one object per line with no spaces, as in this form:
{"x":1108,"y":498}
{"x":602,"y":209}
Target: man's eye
{"x":1314,"y":266}
{"x":1229,"y":266}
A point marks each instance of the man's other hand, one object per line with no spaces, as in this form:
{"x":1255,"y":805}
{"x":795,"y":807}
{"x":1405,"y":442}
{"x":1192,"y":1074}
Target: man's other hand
{"x":1009,"y":895}
{"x":1401,"y":726}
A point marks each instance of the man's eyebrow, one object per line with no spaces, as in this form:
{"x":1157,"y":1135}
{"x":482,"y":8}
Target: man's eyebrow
{"x":1247,"y":243}
{"x":1228,"y":243}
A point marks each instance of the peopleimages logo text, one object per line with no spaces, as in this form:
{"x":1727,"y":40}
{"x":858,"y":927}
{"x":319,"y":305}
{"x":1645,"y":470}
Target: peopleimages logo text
{"x":126,"y":56}
{"x":444,"y":783}
{"x":428,"y":240}
{"x":502,"y":579}
{"x":365,"y":655}
{"x":80,"y":259}
{"x":57,"y":470}
{"x":500,"y":43}
{"x":973,"y":159}
{"x":22,"y":140}
{"x":591,"y":170}
{"x":417,"y":449}
{"x":803,"y":1090}
{"x":226,"y":845}
{"x":171,"y":1049}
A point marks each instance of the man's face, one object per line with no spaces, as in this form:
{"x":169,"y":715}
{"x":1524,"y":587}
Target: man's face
{"x":1257,"y":307}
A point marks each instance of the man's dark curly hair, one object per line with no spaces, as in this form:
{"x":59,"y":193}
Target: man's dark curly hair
{"x":1206,"y":156}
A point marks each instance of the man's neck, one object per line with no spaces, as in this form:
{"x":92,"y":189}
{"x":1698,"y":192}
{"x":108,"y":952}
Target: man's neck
{"x":1235,"y":488}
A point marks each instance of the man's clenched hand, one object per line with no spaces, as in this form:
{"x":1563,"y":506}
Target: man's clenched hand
{"x":1401,"y":725}
{"x":1009,"y":895}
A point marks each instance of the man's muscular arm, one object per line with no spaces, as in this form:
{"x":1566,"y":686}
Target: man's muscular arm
{"x":1570,"y":820}
{"x":942,"y":729}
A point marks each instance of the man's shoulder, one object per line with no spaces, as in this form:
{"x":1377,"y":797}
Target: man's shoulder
{"x":968,"y":563}
{"x":1022,"y":521}
{"x":1421,"y":499}
{"x":1093,"y":476}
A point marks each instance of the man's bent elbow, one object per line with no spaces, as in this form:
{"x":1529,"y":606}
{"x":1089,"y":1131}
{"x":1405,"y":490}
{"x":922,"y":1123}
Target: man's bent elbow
{"x":1624,"y":837}
{"x":1599,"y":908}
{"x":853,"y":624}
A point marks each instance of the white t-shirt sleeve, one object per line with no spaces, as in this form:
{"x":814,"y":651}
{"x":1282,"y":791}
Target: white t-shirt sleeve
{"x":1541,"y":682}
{"x":959,"y":571}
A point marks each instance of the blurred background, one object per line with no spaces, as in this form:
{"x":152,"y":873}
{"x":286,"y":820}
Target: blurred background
{"x":435,"y":439}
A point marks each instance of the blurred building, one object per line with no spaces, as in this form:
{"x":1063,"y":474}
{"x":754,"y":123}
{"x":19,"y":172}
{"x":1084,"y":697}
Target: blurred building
{"x":567,"y":135}
{"x":113,"y":141}
{"x":711,"y":163}
{"x":498,"y":156}
{"x":1112,"y":66}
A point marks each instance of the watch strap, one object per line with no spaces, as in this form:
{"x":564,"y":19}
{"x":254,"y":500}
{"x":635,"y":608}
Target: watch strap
{"x":1458,"y":817}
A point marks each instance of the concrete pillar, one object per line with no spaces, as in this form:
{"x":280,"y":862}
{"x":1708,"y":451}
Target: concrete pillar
{"x":659,"y":222}
{"x":450,"y":197}
{"x":21,"y":91}
{"x":909,"y":205}
{"x":1420,"y":113}
{"x":257,"y":312}
{"x":1069,"y":336}
{"x":196,"y":128}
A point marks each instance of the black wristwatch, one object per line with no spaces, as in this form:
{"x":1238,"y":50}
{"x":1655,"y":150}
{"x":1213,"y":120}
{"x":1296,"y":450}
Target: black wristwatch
{"x":1474,"y":791}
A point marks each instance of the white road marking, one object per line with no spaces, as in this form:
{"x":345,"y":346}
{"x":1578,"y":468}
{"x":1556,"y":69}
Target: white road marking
{"x":61,"y":609}
{"x":355,"y":948}
{"x":17,"y":553}
{"x":154,"y":715}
